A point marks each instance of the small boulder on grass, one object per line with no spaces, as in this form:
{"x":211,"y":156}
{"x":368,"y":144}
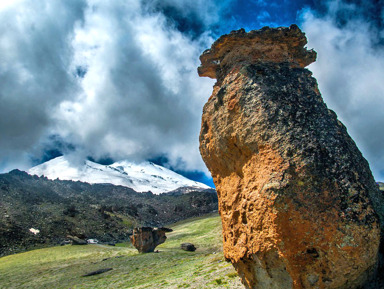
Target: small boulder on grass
{"x":188,"y":247}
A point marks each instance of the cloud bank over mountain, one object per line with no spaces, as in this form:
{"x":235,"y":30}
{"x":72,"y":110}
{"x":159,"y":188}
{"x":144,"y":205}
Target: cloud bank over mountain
{"x":112,"y":79}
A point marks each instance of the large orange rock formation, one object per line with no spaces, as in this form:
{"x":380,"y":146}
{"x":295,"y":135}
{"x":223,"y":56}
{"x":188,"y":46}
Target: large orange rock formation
{"x":298,"y":203}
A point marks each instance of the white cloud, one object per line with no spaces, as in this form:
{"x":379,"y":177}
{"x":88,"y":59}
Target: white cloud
{"x":6,"y":4}
{"x":106,"y":76}
{"x":141,"y":93}
{"x":350,"y":73}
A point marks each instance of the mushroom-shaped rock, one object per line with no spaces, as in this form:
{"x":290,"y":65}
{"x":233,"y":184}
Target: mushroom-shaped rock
{"x":146,"y":239}
{"x":298,"y":203}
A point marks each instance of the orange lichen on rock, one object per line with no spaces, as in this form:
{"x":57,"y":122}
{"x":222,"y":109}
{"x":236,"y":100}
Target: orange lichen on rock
{"x":146,"y":239}
{"x":298,"y":203}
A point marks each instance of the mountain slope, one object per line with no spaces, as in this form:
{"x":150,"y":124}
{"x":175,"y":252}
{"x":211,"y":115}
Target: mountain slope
{"x":57,"y":208}
{"x":141,"y":177}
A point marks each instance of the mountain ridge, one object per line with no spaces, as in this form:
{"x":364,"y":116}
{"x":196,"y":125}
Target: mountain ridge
{"x":142,"y":177}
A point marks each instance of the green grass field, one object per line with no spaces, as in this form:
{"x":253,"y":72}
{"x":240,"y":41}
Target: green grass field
{"x":63,"y":266}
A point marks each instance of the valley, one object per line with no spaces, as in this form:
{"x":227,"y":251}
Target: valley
{"x":63,"y":266}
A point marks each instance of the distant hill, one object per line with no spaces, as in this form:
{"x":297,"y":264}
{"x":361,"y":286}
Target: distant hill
{"x":142,"y":177}
{"x":107,"y":212}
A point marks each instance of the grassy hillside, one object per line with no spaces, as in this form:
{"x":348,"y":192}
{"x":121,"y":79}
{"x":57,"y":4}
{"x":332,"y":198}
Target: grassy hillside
{"x":62,"y":267}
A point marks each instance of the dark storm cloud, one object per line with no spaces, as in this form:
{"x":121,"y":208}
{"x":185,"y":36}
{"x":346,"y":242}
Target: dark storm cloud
{"x":350,"y":70}
{"x":370,"y":11}
{"x":34,"y":60}
{"x":192,"y":17}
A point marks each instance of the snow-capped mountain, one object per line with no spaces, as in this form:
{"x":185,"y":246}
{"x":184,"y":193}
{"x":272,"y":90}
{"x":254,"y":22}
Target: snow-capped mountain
{"x":141,"y":177}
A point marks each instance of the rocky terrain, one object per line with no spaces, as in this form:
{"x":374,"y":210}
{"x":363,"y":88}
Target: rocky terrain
{"x":298,"y":203}
{"x":38,"y":212}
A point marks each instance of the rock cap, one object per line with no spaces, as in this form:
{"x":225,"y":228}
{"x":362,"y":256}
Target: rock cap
{"x":266,"y":45}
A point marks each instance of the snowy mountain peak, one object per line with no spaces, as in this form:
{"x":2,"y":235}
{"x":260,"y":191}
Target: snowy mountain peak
{"x":142,"y":177}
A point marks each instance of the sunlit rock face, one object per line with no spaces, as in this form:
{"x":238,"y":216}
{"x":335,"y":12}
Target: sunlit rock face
{"x":146,"y":239}
{"x":298,"y":203}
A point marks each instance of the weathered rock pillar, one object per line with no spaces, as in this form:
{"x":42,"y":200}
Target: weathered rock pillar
{"x":298,"y":203}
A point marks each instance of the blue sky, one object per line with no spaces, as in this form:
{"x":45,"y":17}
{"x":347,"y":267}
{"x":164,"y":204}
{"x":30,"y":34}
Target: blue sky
{"x":114,"y":80}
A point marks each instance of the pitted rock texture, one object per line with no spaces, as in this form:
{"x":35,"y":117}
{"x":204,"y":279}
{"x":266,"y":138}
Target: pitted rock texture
{"x":146,"y":239}
{"x":298,"y":203}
